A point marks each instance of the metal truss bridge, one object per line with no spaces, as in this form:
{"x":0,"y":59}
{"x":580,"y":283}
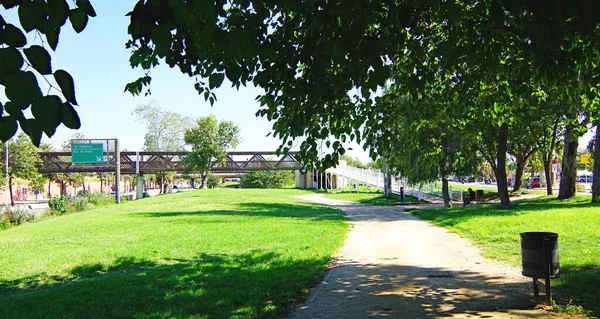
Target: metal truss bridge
{"x":152,"y":162}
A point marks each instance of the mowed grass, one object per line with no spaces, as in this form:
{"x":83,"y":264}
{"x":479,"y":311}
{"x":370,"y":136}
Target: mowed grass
{"x":222,"y":253}
{"x":497,"y":232}
{"x":371,"y":198}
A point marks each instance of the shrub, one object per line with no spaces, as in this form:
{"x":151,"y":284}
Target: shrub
{"x":80,"y":203}
{"x":268,"y":179}
{"x":212,"y":180}
{"x":14,"y":216}
{"x":58,"y":205}
{"x":99,"y":199}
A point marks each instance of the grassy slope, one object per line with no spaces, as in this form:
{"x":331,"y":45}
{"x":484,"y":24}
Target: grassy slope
{"x":223,"y":253}
{"x":497,"y":230}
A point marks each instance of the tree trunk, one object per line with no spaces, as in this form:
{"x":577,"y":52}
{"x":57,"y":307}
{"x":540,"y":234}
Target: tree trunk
{"x":548,"y":172}
{"x":444,"y":174}
{"x":550,"y":182}
{"x":83,"y":182}
{"x":501,"y":172}
{"x":162,"y":182}
{"x":519,"y":174}
{"x":62,"y":188}
{"x":446,"y":192}
{"x":49,"y":186}
{"x":568,"y":176}
{"x":12,"y":200}
{"x":596,"y":168}
{"x":387,"y":181}
{"x":204,"y":176}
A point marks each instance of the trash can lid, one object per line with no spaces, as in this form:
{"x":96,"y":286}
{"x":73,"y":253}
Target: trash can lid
{"x":539,"y":234}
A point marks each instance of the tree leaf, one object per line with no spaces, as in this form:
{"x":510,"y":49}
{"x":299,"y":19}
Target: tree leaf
{"x":47,"y":112}
{"x":39,"y":59}
{"x":58,"y":11}
{"x":161,"y":36}
{"x":86,"y":6}
{"x":67,"y":86}
{"x":32,"y":128}
{"x":11,"y":61}
{"x":52,"y":35}
{"x":215,"y":80}
{"x":7,"y":4}
{"x":78,"y":19}
{"x":13,"y":36}
{"x":8,"y":127}
{"x":69,"y":117}
{"x":28,"y":15}
{"x":454,"y":10}
{"x":22,"y":87}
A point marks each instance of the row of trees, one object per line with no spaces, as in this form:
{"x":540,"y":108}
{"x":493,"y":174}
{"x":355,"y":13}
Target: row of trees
{"x":462,"y":78}
{"x":22,"y":164}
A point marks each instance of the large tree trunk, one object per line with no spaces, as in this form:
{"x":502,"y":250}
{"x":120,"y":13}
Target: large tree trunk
{"x":387,"y":181}
{"x":596,"y":168}
{"x":49,"y":186}
{"x":568,"y":176}
{"x":12,"y":199}
{"x":501,"y":171}
{"x":519,"y":173}
{"x":548,"y":172}
{"x":162,"y":182}
{"x":446,"y":192}
{"x":444,"y":173}
{"x":204,"y":176}
{"x":549,"y":158}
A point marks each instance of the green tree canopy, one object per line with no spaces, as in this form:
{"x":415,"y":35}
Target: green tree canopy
{"x":164,"y":129}
{"x":22,"y":160}
{"x":210,"y":140}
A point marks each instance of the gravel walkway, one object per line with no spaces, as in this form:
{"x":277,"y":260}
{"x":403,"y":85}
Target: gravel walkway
{"x":394,"y":265}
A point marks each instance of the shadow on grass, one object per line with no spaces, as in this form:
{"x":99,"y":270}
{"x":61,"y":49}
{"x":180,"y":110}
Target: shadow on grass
{"x":250,"y":285}
{"x":458,"y":214}
{"x":582,"y":282}
{"x":258,"y":209}
{"x":259,"y":284}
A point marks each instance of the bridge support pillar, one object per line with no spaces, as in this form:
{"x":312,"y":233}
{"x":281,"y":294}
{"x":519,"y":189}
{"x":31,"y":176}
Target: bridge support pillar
{"x":139,"y":186}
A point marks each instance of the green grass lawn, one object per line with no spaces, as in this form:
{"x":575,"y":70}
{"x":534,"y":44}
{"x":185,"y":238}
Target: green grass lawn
{"x":497,"y":230}
{"x":222,"y":253}
{"x":372,"y":197}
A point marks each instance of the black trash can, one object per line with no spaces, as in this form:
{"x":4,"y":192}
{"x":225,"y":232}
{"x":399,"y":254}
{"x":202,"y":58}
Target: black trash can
{"x":537,"y":249}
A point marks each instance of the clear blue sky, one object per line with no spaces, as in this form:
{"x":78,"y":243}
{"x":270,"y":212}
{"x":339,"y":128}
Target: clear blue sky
{"x":99,"y":63}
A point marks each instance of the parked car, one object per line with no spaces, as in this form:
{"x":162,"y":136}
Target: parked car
{"x":532,"y":182}
{"x":585,"y":178}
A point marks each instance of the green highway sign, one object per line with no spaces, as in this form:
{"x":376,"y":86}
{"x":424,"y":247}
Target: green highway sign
{"x":87,"y":153}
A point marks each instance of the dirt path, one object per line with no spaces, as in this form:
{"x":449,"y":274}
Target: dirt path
{"x":394,"y":265}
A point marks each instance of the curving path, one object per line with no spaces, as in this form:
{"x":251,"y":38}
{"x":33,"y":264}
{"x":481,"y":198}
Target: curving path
{"x":394,"y":265}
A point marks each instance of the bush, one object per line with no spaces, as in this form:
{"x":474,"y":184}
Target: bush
{"x":79,"y":203}
{"x":99,"y":199}
{"x":14,"y":216}
{"x":58,"y":205}
{"x":267,"y":179}
{"x":212,"y":180}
